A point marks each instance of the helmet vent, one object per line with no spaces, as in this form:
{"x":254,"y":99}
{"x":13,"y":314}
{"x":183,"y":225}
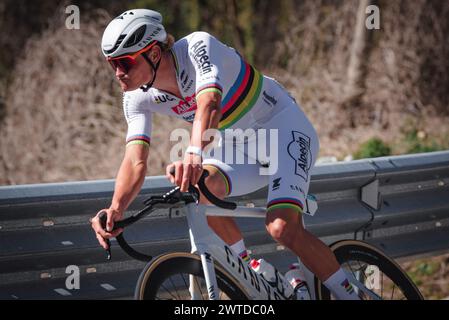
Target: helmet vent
{"x":117,"y":44}
{"x":135,"y":37}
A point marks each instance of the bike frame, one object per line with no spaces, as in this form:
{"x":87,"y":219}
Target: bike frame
{"x":210,"y":247}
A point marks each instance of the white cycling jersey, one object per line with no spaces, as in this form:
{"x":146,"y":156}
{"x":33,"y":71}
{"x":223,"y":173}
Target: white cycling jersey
{"x":249,"y":100}
{"x":205,"y":64}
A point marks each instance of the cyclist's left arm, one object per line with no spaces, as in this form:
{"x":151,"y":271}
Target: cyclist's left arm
{"x":204,"y":55}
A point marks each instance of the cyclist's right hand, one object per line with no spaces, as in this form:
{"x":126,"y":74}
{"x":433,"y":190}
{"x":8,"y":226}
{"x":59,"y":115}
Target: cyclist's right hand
{"x":102,"y":234}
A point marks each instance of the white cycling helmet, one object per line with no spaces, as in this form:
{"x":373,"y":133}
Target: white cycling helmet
{"x":131,"y":32}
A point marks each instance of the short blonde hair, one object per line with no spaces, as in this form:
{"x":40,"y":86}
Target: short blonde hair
{"x":168,"y":43}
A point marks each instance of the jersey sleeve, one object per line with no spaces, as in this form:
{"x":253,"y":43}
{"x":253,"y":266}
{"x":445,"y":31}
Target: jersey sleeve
{"x":204,"y":52}
{"x":138,"y":115}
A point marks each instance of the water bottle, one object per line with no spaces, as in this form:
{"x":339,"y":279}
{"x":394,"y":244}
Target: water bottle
{"x":296,"y":278}
{"x":270,"y":274}
{"x":265,"y":269}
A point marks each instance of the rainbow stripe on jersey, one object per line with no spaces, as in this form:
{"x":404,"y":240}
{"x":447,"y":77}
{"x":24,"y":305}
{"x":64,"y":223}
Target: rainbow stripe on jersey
{"x":242,"y":96}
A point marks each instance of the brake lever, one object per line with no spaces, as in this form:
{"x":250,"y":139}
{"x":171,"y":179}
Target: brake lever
{"x":195,"y":194}
{"x":103,"y":220}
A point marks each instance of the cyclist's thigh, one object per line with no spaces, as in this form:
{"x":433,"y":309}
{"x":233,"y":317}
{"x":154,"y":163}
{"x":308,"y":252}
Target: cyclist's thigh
{"x":297,"y":149}
{"x":240,"y":173}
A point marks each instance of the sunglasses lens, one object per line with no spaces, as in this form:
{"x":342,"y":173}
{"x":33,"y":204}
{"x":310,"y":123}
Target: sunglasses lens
{"x":113,"y":64}
{"x":127,"y":63}
{"x":124,"y":64}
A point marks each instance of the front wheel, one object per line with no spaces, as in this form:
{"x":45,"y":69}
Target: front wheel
{"x":379,"y":273}
{"x":169,"y":277}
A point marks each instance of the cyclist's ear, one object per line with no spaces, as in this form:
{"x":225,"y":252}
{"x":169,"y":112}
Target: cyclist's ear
{"x":154,"y":54}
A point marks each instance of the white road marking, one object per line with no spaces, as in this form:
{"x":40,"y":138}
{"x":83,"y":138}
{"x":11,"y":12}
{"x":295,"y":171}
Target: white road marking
{"x":48,"y":223}
{"x":63,"y":292}
{"x":91,"y":270}
{"x":108,"y":287}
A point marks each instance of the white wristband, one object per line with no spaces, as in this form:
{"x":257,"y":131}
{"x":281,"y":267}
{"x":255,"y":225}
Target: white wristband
{"x":195,"y":150}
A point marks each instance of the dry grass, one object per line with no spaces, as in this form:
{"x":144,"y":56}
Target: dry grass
{"x":406,"y":71}
{"x":64,"y":119}
{"x":61,"y":110}
{"x":431,"y":275}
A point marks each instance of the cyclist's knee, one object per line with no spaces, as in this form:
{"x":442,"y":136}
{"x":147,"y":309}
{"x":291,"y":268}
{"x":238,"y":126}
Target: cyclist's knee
{"x":217,"y":182}
{"x":284,"y":225}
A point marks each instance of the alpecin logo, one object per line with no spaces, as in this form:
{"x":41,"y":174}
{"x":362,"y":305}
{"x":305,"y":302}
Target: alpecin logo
{"x":186,"y":105}
{"x":299,"y":150}
{"x":199,"y":53}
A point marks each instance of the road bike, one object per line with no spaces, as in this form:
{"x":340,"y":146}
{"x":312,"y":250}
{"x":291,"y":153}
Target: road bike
{"x":213,"y":271}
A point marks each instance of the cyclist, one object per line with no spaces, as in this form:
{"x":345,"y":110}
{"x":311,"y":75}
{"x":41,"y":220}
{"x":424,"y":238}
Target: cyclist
{"x":208,"y":84}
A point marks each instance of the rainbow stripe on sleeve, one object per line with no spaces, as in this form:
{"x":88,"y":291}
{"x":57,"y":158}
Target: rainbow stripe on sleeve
{"x":138,"y":139}
{"x":211,"y":87}
{"x":285,"y":203}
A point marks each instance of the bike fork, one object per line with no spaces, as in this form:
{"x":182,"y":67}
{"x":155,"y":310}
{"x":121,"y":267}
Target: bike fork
{"x":211,"y":280}
{"x":209,"y":274}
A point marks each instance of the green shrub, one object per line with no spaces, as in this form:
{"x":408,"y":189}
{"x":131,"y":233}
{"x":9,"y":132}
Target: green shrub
{"x":373,"y":148}
{"x":419,"y":144}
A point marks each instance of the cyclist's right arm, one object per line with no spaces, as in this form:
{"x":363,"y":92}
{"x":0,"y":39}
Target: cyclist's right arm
{"x":131,"y":174}
{"x":130,"y":178}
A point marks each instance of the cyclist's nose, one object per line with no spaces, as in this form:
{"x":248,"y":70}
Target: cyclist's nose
{"x":119,"y":72}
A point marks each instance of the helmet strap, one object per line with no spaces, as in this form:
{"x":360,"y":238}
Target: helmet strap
{"x":147,"y":86}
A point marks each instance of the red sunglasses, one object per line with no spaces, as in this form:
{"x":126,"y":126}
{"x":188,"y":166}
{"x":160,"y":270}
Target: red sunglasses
{"x":126,"y":62}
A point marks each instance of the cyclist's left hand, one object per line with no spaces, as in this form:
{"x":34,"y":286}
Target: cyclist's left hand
{"x":192,"y":170}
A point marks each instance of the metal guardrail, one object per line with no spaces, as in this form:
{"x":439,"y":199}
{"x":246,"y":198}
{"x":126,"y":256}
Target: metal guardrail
{"x":400,"y":204}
